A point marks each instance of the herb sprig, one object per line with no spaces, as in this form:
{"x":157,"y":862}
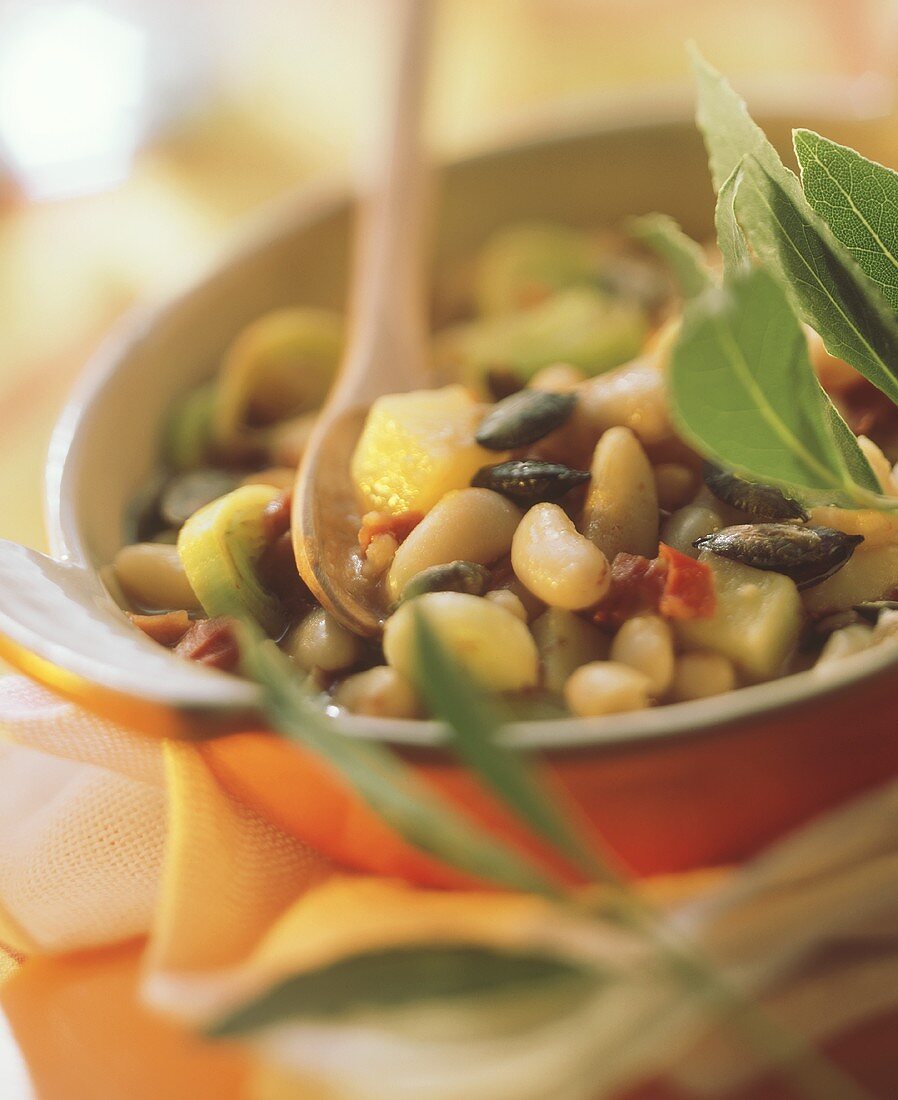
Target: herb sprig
{"x":400,"y":976}
{"x":741,"y":387}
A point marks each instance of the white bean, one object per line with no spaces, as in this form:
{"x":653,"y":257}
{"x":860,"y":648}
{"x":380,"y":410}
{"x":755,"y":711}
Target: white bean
{"x":321,"y":642}
{"x":556,"y":563}
{"x":152,"y":576}
{"x":633,"y":396}
{"x":466,"y":525}
{"x":646,"y":644}
{"x":700,"y":675}
{"x":606,"y":687}
{"x":490,"y":643}
{"x":675,"y":485}
{"x":379,"y":692}
{"x":687,"y":524}
{"x":565,"y":642}
{"x":504,"y":597}
{"x":621,"y":512}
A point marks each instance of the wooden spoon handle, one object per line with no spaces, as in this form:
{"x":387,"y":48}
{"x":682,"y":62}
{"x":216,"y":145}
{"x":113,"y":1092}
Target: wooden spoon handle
{"x":387,"y":345}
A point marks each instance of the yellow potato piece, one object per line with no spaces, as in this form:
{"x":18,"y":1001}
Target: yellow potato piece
{"x":416,"y":447}
{"x":757,"y":622}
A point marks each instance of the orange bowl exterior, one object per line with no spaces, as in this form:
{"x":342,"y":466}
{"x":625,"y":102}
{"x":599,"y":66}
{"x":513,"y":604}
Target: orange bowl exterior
{"x":707,"y":799}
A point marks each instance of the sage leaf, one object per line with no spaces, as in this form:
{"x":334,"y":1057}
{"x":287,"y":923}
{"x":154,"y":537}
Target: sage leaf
{"x":475,"y":726}
{"x":744,"y":392}
{"x":730,"y":238}
{"x":683,"y":256}
{"x":401,"y":976}
{"x":380,"y":778}
{"x":858,"y":200}
{"x":827,"y":288}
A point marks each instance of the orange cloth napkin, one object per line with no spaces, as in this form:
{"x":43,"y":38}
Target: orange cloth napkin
{"x":106,"y":836}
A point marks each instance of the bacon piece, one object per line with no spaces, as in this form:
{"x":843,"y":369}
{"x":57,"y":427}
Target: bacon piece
{"x":673,"y":585}
{"x":382,"y":523}
{"x":211,"y":642}
{"x":688,"y":587}
{"x":637,"y":585}
{"x":165,"y":629}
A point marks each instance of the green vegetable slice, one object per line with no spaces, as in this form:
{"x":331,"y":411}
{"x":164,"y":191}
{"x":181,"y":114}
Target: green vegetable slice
{"x":220,"y":547}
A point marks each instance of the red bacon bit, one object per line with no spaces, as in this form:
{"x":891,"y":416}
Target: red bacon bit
{"x":276,"y":516}
{"x":165,"y":629}
{"x":672,"y":585}
{"x":382,"y":523}
{"x":688,"y":587}
{"x":211,"y":642}
{"x":637,"y":585}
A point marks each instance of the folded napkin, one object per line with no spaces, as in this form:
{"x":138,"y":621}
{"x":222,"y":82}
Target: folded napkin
{"x":106,"y":836}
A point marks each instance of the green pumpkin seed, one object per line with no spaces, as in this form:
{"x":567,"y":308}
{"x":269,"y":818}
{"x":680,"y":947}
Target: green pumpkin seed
{"x":189,"y":492}
{"x":524,"y":418}
{"x":453,"y":576}
{"x":762,"y":502}
{"x":529,"y":481}
{"x":806,"y":554}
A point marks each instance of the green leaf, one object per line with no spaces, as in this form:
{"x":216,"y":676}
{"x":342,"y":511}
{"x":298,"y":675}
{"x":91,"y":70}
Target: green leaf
{"x":730,"y":238}
{"x":743,"y":390}
{"x":858,"y":200}
{"x":475,"y":734}
{"x":682,"y":255}
{"x":380,"y":778}
{"x":399,"y":976}
{"x":826,"y":287}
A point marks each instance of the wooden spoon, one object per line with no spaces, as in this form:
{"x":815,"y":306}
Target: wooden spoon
{"x":387,"y":345}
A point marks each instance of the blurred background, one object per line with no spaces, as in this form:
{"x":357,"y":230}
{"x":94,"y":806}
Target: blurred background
{"x":138,"y":136}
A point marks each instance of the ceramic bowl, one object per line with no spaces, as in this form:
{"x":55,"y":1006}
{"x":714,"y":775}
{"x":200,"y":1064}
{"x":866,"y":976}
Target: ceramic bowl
{"x":680,"y":786}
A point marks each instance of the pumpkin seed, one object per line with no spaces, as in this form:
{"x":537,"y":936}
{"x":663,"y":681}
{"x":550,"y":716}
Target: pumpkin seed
{"x":529,"y":481}
{"x":872,"y":608}
{"x":189,"y":492}
{"x":762,"y":502}
{"x":524,"y":418}
{"x":453,"y":576}
{"x":806,"y":554}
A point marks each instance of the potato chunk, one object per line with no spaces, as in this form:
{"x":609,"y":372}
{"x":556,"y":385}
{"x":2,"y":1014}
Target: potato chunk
{"x":416,"y":447}
{"x":870,"y":575}
{"x":757,"y":622}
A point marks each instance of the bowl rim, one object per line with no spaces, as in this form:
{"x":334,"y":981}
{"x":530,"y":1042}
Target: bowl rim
{"x":580,"y":121}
